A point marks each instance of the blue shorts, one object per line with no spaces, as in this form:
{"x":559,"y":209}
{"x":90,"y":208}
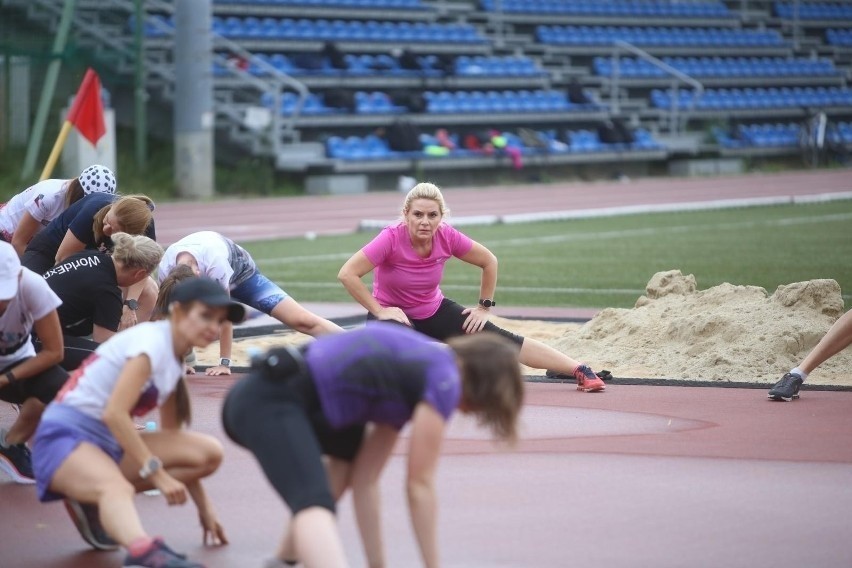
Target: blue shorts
{"x":61,"y":430}
{"x":259,"y":292}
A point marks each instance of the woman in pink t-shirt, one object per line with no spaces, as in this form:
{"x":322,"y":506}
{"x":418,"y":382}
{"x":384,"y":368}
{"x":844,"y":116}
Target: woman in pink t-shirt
{"x":408,"y":259}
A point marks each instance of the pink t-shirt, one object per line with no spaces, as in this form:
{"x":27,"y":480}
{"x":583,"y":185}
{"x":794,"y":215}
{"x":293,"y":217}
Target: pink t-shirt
{"x":403,"y":279}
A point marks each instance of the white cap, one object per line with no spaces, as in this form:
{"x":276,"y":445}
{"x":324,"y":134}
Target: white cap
{"x":10,"y":271}
{"x":97,"y":179}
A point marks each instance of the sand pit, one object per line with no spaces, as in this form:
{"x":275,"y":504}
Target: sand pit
{"x":675,"y":331}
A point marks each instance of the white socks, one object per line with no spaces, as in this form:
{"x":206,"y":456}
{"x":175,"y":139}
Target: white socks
{"x":800,"y":372}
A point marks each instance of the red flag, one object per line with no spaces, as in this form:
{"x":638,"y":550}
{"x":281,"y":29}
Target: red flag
{"x":87,"y":112}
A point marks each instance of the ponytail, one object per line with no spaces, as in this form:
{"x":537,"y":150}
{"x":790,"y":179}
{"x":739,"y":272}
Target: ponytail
{"x":183,"y":409}
{"x":178,"y":274}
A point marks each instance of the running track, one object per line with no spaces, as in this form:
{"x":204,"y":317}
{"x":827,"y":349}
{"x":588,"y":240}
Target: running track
{"x":272,"y":218}
{"x":634,"y":477}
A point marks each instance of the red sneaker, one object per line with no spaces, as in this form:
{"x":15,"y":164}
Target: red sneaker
{"x":587,"y":380}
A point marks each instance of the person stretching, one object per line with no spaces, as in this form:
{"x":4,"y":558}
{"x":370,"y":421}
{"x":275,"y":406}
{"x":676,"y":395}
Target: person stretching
{"x":88,"y":451}
{"x":295,"y":407}
{"x":220,"y":258}
{"x":409,"y":258}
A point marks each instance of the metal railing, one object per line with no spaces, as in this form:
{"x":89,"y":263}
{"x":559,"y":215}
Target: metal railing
{"x":226,"y":53}
{"x":677,"y":120}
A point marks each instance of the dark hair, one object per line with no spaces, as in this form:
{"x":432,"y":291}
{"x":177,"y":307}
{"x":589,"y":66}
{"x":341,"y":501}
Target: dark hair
{"x":74,"y":192}
{"x":178,"y":274}
{"x":492,"y":384}
{"x":161,"y":310}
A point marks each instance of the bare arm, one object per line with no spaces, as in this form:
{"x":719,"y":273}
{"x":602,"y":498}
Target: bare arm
{"x":27,"y":227}
{"x":226,"y":340}
{"x":69,"y":245}
{"x":101,"y":334}
{"x":52,"y":350}
{"x":484,"y":259}
{"x":424,"y":450}
{"x":116,"y":416}
{"x":350,"y":276}
{"x":366,"y":470}
{"x":213,"y":533}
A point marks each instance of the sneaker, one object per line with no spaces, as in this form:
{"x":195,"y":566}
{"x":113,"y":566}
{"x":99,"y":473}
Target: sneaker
{"x":159,"y":555}
{"x":587,"y":380}
{"x":787,"y":388}
{"x":17,"y":461}
{"x":88,"y":522}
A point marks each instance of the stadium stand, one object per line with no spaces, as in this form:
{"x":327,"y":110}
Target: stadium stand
{"x":541,"y":75}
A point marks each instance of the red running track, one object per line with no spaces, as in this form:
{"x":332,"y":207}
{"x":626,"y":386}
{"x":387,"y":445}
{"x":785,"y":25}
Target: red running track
{"x":637,"y":476}
{"x":272,"y":218}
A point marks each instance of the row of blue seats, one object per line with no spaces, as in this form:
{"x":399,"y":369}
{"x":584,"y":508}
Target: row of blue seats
{"x":327,"y":30}
{"x":647,"y":9}
{"x":767,"y":98}
{"x":367,"y":4}
{"x":719,"y":67}
{"x":777,"y":135}
{"x":605,"y":35}
{"x":442,"y":102}
{"x":373,"y":147}
{"x":842,"y":38}
{"x":383,"y":64}
{"x":814,"y":11}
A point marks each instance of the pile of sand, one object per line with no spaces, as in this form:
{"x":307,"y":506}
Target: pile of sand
{"x":725,"y":333}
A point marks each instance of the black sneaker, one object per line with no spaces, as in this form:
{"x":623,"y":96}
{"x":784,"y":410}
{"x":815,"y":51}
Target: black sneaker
{"x":160,"y":556}
{"x":88,"y":522}
{"x":16,"y":461}
{"x":787,"y":388}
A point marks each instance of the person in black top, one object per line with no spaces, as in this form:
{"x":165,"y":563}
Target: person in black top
{"x":88,"y":224}
{"x":88,"y":283}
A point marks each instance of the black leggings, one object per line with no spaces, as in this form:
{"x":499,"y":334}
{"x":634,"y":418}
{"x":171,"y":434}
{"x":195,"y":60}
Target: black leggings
{"x":448,"y":322}
{"x":76,"y":350}
{"x":43,"y":386}
{"x":279,"y":419}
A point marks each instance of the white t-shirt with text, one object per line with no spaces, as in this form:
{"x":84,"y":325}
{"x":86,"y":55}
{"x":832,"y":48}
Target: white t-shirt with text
{"x":33,"y":301}
{"x":44,"y":201}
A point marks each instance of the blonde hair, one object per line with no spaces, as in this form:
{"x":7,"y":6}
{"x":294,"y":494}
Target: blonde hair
{"x":132,"y":212}
{"x":426,"y":190}
{"x":136,"y":251}
{"x":492,"y":384}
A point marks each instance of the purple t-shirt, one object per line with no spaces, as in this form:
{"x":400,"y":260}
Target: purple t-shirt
{"x":405,"y":280}
{"x":380,"y":373}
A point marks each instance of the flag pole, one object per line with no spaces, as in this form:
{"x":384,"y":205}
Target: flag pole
{"x":57,"y":150}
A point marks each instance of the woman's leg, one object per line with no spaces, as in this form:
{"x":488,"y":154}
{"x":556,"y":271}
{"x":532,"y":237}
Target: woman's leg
{"x":292,"y":314}
{"x":26,"y":423}
{"x":187,"y":456}
{"x":33,"y":394}
{"x":838,"y":338}
{"x":88,"y":475}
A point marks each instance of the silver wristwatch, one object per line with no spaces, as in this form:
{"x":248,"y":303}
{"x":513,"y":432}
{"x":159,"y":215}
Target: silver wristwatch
{"x":150,"y":467}
{"x":224,"y":362}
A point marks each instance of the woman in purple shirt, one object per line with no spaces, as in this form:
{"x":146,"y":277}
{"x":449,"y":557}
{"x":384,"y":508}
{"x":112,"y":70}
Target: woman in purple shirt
{"x":297,"y":406}
{"x":408,"y":259}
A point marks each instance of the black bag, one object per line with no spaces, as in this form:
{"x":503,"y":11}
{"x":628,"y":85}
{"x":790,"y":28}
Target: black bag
{"x":615,"y":132}
{"x":408,"y":60}
{"x":576,"y":94}
{"x":339,"y":98}
{"x":404,"y":136}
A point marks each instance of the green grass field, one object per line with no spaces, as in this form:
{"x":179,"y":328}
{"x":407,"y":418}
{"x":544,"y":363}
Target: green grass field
{"x":607,"y":262}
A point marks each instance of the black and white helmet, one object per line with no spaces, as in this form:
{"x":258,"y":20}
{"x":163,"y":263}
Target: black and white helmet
{"x":97,"y":179}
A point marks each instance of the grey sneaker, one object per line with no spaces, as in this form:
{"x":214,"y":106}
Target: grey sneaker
{"x":160,"y":556}
{"x":88,"y":522}
{"x":787,"y":388}
{"x":17,"y":461}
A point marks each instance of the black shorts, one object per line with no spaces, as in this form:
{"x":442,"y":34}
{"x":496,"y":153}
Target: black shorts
{"x":448,"y":322}
{"x":280,"y":420}
{"x":43,"y":386}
